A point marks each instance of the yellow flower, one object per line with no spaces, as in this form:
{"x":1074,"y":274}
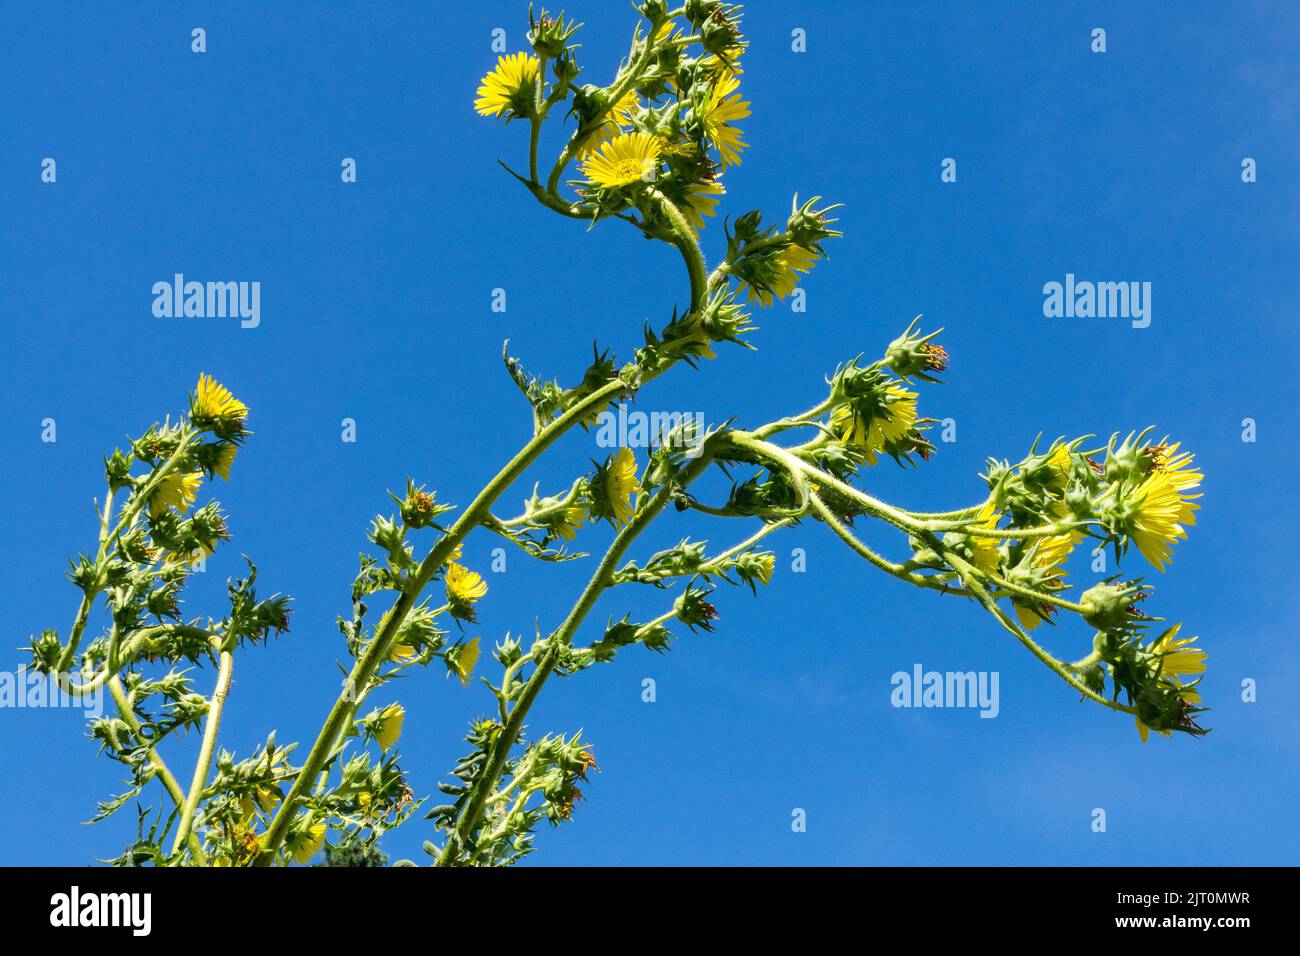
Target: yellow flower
{"x":175,"y":490}
{"x":766,"y":565}
{"x":571,"y":521}
{"x":509,"y":86}
{"x":388,"y":727}
{"x":303,"y":844}
{"x":266,"y":799}
{"x":984,"y":550}
{"x":461,"y":660}
{"x":700,"y":200}
{"x":890,"y":425}
{"x":1163,"y":508}
{"x":788,"y":263}
{"x":1144,"y":731}
{"x":621,"y":486}
{"x":1052,"y":554}
{"x":1060,"y":462}
{"x":725,"y":67}
{"x":1180,"y":658}
{"x":464,"y":585}
{"x":623,"y":160}
{"x":1178,"y":467}
{"x":225,"y":458}
{"x":619,"y":116}
{"x":213,"y":400}
{"x":723,"y":108}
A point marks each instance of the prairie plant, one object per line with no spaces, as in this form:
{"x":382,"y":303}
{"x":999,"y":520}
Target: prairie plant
{"x":649,"y":149}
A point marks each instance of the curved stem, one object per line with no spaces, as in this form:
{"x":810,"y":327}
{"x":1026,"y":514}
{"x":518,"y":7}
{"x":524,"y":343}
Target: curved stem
{"x":1062,"y":670}
{"x":884,"y":564}
{"x":689,"y":244}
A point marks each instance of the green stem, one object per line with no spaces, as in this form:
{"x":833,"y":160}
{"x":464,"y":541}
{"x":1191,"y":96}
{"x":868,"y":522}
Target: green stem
{"x":159,"y":765}
{"x":215,"y":706}
{"x":689,"y":244}
{"x":889,"y":567}
{"x":596,"y":585}
{"x":971,"y":578}
{"x":378,"y":650}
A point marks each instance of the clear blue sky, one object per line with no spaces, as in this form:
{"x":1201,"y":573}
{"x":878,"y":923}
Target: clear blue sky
{"x":375,"y":306}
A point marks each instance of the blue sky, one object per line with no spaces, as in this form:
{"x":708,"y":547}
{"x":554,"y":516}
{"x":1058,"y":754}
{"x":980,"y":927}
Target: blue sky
{"x":376,"y":306}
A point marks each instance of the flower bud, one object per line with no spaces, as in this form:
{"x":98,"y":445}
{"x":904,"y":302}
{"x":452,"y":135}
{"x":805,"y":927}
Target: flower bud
{"x":809,"y":227}
{"x":693,"y":611}
{"x":1107,"y":606}
{"x":912,"y":355}
{"x":656,"y":11}
{"x":548,"y":36}
{"x":697,"y":11}
{"x":566,"y":69}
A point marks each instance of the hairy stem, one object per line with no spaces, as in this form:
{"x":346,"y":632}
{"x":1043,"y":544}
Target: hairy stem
{"x":210,"y":728}
{"x":363,"y":671}
{"x":596,"y":585}
{"x":161,"y":771}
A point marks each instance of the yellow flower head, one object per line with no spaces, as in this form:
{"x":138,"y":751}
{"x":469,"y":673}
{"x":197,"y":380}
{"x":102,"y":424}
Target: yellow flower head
{"x":464,"y":585}
{"x":623,"y":160}
{"x":1178,"y":466}
{"x":888,"y":425}
{"x":213,"y":403}
{"x":766,"y":565}
{"x":509,"y":87}
{"x":619,"y":116}
{"x":787,"y":265}
{"x":700,"y":200}
{"x":401,"y":653}
{"x":621,"y":486}
{"x":724,"y":108}
{"x":1051,"y":554}
{"x":1162,"y":510}
{"x":569,"y":522}
{"x":266,"y":798}
{"x":1061,"y":464}
{"x":225,"y":458}
{"x":388,"y":726}
{"x":984,"y":550}
{"x":461,"y":660}
{"x":1180,"y":658}
{"x":304,"y":841}
{"x":175,"y":491}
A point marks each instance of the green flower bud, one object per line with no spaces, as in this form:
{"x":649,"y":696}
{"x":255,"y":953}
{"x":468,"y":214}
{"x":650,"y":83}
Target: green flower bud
{"x":550,"y":36}
{"x":118,"y":470}
{"x":419,"y":509}
{"x":656,"y":11}
{"x":693,"y":611}
{"x":697,"y":11}
{"x":46,"y":651}
{"x":809,"y":227}
{"x":1108,"y":606}
{"x":566,"y":69}
{"x":1131,"y":460}
{"x":747,"y":226}
{"x":589,"y":102}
